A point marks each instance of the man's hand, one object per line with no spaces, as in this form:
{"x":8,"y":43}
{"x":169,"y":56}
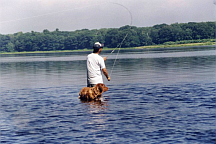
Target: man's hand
{"x":105,"y":58}
{"x":108,"y":78}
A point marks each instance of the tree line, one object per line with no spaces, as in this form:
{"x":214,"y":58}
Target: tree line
{"x":111,"y":37}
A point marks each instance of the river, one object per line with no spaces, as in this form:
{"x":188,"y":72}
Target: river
{"x":155,"y":96}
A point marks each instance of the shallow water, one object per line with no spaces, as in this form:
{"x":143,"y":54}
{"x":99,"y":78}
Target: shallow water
{"x":157,"y":96}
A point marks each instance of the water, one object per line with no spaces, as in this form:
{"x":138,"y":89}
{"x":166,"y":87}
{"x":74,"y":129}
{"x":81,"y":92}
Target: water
{"x":157,"y":96}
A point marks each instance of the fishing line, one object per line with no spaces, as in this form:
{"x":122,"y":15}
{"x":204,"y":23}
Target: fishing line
{"x":57,"y":12}
{"x":52,"y":13}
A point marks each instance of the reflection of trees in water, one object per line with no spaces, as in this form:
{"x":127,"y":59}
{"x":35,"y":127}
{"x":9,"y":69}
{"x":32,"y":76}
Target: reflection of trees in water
{"x":164,"y":69}
{"x":48,"y":66}
{"x":165,"y":63}
{"x":44,"y":72}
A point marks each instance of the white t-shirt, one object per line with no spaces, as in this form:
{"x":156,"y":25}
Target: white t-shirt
{"x":95,"y":64}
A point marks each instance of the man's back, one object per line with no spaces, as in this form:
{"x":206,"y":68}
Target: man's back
{"x":95,"y":64}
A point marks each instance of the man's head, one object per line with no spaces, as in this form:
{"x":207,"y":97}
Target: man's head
{"x":97,"y":47}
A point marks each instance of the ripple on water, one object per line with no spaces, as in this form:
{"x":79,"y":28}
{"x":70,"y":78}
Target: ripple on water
{"x":150,"y":113}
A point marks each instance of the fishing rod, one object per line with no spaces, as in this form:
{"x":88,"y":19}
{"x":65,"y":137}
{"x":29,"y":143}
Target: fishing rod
{"x":131,"y":21}
{"x":120,"y":44}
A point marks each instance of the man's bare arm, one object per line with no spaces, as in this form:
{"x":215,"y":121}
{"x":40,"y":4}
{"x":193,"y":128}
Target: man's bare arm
{"x":106,"y":73}
{"x":105,"y":58}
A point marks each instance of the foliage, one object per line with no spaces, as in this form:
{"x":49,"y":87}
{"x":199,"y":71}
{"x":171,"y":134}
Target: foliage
{"x":84,"y":39}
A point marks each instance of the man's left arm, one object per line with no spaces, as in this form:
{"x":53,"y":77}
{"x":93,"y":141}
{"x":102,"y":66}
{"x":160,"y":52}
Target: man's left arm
{"x":106,"y":73}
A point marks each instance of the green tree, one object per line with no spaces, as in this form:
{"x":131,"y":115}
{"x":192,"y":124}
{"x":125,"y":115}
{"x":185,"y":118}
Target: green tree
{"x":10,"y":47}
{"x":111,"y":37}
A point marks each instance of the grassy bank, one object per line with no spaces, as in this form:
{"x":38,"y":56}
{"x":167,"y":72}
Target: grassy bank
{"x":178,"y":45}
{"x":166,"y":45}
{"x":32,"y":52}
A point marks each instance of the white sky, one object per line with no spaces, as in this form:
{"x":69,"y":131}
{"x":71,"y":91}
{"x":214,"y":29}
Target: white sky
{"x":70,"y":15}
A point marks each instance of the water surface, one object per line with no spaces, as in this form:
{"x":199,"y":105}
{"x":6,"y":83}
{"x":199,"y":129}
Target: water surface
{"x":155,"y":96}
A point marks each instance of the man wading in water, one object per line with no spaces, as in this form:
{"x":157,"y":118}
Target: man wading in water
{"x":96,"y":64}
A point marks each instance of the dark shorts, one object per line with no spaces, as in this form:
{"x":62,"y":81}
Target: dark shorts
{"x":91,"y":85}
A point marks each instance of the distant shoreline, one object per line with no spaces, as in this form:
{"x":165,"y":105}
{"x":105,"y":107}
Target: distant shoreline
{"x":141,"y":47}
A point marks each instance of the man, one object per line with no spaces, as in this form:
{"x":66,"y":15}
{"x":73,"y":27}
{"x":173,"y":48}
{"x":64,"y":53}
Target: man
{"x":96,"y":64}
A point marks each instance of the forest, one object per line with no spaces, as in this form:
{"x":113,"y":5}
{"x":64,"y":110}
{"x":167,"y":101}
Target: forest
{"x":111,"y":37}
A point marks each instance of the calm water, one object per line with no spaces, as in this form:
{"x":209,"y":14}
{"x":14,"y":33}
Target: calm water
{"x":157,"y":96}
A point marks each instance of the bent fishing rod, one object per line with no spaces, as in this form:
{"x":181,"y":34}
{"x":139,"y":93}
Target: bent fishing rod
{"x":120,"y":44}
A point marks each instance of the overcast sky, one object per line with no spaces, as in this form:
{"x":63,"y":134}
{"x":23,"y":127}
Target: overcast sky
{"x":70,"y":15}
